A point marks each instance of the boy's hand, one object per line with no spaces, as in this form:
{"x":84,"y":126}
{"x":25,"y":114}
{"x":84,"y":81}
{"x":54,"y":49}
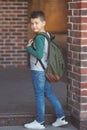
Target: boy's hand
{"x":30,"y":42}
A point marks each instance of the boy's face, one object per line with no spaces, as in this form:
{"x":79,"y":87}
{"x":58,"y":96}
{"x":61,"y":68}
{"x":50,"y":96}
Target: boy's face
{"x":37,"y":25}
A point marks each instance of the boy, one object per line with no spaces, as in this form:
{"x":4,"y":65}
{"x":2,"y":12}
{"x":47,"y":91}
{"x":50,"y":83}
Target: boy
{"x":42,"y":87}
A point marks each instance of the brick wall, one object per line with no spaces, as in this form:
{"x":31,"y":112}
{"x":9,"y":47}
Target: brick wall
{"x":77,"y":61}
{"x":13,"y":32}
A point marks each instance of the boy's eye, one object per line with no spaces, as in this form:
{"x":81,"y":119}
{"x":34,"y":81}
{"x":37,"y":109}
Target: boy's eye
{"x":36,"y":23}
{"x":31,"y":23}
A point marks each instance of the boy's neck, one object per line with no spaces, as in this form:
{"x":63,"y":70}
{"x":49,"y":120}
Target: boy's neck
{"x":41,"y":31}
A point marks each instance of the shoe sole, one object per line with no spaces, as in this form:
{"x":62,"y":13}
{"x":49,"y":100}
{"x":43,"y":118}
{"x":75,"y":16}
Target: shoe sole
{"x":34,"y":127}
{"x":60,"y":124}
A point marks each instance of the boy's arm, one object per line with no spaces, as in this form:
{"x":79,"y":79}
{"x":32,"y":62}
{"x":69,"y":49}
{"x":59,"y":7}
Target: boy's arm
{"x":39,"y":44}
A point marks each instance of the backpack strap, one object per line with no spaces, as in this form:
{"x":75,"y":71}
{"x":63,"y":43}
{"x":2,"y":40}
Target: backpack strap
{"x":40,"y":61}
{"x":49,"y":38}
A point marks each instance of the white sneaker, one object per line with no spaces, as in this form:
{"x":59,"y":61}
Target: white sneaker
{"x":34,"y":125}
{"x":60,"y":122}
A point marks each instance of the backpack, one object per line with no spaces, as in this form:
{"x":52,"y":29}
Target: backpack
{"x":56,"y":64}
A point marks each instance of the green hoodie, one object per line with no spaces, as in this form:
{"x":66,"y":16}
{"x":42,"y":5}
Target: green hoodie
{"x":39,"y":45}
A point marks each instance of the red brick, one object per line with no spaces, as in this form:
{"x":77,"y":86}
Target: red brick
{"x":83,"y":42}
{"x":77,"y":59}
{"x":83,"y":107}
{"x":69,"y":12}
{"x":84,"y":4}
{"x":83,"y":116}
{"x":75,"y":19}
{"x":75,"y":33}
{"x":83,"y":70}
{"x":75,"y":5}
{"x":83,"y":85}
{"x":76,"y":69}
{"x":76,"y":12}
{"x":83,"y":12}
{"x":83,"y":92}
{"x":13,"y":26}
{"x":75,"y":48}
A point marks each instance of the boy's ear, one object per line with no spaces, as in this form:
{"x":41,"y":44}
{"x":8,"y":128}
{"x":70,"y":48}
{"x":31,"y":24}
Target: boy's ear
{"x":44,"y":22}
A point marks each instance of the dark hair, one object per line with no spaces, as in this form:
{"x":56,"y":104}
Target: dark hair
{"x":36,"y":14}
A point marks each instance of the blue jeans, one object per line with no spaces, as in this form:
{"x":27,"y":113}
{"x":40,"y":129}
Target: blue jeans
{"x":42,"y":89}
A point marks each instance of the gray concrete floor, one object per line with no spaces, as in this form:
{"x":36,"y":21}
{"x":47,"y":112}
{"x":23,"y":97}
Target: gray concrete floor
{"x":68,"y":127}
{"x":16,"y":91}
{"x":17,"y":97}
